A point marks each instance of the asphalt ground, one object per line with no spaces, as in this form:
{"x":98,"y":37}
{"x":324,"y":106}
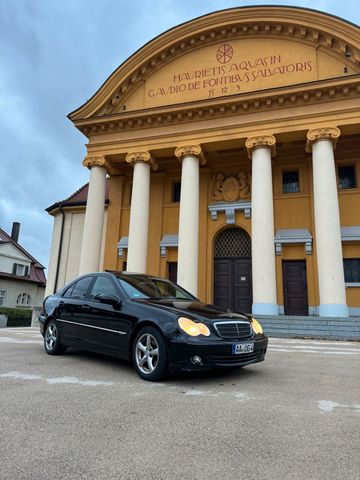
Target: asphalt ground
{"x":86,"y":416}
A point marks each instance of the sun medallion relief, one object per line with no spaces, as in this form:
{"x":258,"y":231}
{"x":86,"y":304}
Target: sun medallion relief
{"x":231,"y":188}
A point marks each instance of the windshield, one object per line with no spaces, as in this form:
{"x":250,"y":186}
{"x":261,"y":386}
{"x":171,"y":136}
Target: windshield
{"x":147,"y":287}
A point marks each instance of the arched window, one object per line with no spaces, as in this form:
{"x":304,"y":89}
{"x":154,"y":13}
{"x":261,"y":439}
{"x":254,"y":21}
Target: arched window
{"x":23,"y":299}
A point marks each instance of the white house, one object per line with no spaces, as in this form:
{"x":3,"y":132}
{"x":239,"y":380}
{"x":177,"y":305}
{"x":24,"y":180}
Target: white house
{"x":22,"y":278}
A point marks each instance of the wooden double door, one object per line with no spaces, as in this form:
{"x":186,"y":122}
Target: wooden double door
{"x":233,"y":283}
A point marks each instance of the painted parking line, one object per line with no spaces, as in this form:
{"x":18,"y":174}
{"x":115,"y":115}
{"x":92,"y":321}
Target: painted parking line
{"x":299,"y":341}
{"x":20,"y":341}
{"x":304,"y":347}
{"x":284,"y":350}
{"x":328,"y":406}
{"x":311,"y":346}
{"x":20,"y":329}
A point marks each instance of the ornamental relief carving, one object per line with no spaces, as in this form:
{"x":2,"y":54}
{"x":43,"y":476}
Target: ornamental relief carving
{"x":231,"y":187}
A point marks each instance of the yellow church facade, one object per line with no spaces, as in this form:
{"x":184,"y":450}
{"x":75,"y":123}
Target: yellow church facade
{"x":231,"y":149}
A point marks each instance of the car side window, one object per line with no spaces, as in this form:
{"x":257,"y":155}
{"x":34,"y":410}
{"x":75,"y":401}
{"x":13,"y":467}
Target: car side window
{"x":68,"y":292}
{"x":103,"y":286}
{"x":81,"y":287}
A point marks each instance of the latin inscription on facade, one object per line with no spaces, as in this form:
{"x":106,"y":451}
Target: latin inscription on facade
{"x":231,"y":68}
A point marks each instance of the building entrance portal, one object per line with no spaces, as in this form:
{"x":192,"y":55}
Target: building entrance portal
{"x":232,"y":270}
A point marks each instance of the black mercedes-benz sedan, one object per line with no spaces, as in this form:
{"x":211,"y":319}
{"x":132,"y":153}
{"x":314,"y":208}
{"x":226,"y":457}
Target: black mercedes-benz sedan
{"x":150,"y":321}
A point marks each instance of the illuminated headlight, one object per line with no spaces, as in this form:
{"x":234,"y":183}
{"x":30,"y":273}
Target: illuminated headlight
{"x":192,"y":328}
{"x":256,"y":326}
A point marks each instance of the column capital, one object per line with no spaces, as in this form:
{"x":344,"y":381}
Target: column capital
{"x":190,"y":151}
{"x":315,"y":134}
{"x":137,"y":157}
{"x":268,"y":141}
{"x":95,"y":161}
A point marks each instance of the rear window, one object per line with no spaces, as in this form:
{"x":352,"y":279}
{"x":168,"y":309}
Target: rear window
{"x":81,"y":287}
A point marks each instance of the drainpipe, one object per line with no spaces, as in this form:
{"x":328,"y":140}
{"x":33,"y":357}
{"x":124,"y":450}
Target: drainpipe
{"x":60,"y":247}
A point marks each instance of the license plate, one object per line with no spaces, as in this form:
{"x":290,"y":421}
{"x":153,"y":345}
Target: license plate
{"x":238,"y":348}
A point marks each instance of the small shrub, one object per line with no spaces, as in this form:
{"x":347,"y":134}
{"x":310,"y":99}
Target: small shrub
{"x":17,"y":317}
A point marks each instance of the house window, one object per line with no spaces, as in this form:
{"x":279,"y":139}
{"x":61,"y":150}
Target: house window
{"x":291,"y":182}
{"x":176,"y":189}
{"x":23,"y":300}
{"x":2,"y":298}
{"x":347,"y":177}
{"x":352,"y":270}
{"x":20,"y":270}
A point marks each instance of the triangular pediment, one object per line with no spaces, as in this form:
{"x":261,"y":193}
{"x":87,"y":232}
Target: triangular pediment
{"x":227,"y":53}
{"x":9,"y":250}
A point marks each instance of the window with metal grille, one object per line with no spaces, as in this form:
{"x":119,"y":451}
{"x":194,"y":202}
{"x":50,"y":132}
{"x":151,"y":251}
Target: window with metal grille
{"x":233,"y":242}
{"x":291,"y":182}
{"x":347,"y":177}
{"x":352,"y":270}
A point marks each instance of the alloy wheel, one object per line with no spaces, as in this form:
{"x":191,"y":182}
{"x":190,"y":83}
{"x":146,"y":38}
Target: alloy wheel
{"x":147,"y":353}
{"x":51,"y":336}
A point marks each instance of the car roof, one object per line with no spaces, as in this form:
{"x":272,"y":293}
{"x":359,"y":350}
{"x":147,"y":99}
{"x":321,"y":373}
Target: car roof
{"x":116,"y":273}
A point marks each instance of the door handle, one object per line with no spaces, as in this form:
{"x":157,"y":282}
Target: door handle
{"x":85,"y":306}
{"x":61,"y":303}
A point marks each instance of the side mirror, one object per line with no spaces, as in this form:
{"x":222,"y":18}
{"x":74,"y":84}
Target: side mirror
{"x":109,"y":300}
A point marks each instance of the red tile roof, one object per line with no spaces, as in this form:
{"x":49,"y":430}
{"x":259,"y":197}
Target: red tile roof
{"x":78,"y":198}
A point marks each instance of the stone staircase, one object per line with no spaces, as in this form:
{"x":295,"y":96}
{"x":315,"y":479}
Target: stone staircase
{"x":311,"y":327}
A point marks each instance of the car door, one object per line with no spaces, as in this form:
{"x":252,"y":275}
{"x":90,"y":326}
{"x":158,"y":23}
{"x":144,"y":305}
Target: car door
{"x":106,"y":327}
{"x":70,"y":310}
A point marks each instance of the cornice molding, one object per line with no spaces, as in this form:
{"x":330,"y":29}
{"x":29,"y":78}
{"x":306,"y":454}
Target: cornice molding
{"x":267,"y":141}
{"x":308,"y":26}
{"x":141,"y":157}
{"x":312,"y":136}
{"x":324,"y":91}
{"x":190,"y":151}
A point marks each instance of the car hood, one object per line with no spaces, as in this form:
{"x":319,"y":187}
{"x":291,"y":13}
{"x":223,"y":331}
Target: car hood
{"x":195,"y":308}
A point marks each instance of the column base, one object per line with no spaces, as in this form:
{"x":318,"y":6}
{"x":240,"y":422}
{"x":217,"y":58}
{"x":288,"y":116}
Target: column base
{"x":265,"y":309}
{"x":333,"y":310}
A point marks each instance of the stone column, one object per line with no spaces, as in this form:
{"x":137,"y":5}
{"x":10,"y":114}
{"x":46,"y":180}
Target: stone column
{"x":260,"y":151}
{"x":321,"y":142}
{"x":139,"y":211}
{"x":188,"y":243}
{"x":94,"y":215}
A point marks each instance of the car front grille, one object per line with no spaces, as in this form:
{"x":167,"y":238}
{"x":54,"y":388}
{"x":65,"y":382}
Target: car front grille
{"x":233,"y":329}
{"x":234,"y":359}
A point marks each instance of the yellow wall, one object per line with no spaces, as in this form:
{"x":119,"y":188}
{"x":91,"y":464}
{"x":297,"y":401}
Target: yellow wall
{"x":290,"y":211}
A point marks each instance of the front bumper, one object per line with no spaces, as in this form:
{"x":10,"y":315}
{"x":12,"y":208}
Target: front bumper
{"x":42,"y":320}
{"x":213,"y":354}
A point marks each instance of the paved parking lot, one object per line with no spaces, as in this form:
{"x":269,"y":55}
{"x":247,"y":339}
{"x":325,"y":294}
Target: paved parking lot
{"x":85,"y":416}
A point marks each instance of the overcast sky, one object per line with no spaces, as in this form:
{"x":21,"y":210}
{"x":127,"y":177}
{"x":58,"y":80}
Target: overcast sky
{"x":54,"y":54}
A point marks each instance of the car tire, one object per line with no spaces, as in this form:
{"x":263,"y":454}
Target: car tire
{"x":150,"y":356}
{"x":52,"y":342}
